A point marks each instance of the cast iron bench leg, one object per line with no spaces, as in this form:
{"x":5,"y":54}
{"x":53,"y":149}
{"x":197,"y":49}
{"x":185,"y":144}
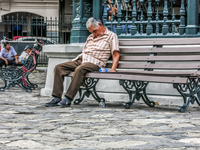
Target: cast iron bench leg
{"x":188,"y":92}
{"x":140,"y":91}
{"x":2,"y":78}
{"x":146,"y":99}
{"x":26,"y":88}
{"x":198,"y":96}
{"x":198,"y":99}
{"x":89,"y":84}
{"x":5,"y":85}
{"x":10,"y":84}
{"x":31,"y":84}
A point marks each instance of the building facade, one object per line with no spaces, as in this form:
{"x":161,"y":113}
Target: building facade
{"x":134,"y":19}
{"x":45,"y":8}
{"x":34,"y":18}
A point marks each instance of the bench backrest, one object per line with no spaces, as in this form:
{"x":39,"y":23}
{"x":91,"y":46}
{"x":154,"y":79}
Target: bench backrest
{"x":159,"y":54}
{"x":31,"y":62}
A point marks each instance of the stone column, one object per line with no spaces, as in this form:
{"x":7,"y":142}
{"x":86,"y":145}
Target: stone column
{"x":97,"y":9}
{"x":82,"y":10}
{"x":57,"y":54}
{"x":192,"y":17}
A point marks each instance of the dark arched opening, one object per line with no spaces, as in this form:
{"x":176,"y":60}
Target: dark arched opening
{"x":19,"y":24}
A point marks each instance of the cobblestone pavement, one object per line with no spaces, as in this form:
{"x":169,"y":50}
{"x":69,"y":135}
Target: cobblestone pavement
{"x":26,"y":124}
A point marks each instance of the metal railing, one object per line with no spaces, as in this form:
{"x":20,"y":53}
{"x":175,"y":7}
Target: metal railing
{"x":143,"y":18}
{"x":50,"y":31}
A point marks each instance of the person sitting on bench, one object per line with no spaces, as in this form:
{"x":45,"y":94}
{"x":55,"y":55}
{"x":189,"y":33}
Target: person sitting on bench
{"x":8,"y":55}
{"x":100,"y":45}
{"x":25,"y":54}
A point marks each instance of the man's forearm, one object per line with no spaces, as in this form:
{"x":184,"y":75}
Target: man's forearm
{"x":3,"y":58}
{"x":15,"y":57}
{"x":115,"y":61}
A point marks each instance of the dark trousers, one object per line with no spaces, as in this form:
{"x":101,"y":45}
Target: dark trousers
{"x":10,"y":62}
{"x":64,"y":69}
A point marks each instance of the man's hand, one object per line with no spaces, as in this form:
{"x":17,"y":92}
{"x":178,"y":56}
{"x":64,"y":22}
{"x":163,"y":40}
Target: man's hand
{"x":113,"y":70}
{"x":16,"y":61}
{"x":6,"y":61}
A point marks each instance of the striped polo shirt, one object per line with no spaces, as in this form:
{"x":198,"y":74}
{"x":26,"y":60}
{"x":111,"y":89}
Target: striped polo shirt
{"x":99,"y":50}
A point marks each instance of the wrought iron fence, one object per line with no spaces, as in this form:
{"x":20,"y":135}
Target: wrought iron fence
{"x":18,"y":28}
{"x":138,"y":18}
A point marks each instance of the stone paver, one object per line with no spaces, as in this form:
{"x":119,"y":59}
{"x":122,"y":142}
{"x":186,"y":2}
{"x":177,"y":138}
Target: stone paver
{"x":26,"y":124}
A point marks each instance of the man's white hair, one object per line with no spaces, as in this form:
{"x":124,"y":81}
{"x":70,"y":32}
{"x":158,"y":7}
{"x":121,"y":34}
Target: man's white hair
{"x":93,"y":22}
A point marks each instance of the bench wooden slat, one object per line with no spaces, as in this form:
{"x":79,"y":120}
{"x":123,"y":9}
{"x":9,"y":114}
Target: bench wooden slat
{"x":161,"y":58}
{"x":156,"y":66}
{"x":150,"y":43}
{"x":165,"y":73}
{"x":162,"y":39}
{"x":149,"y":78}
{"x":166,"y":41}
{"x":160,"y":50}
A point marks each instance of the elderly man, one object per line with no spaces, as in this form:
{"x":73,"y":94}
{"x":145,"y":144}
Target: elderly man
{"x":8,"y":55}
{"x":100,"y":45}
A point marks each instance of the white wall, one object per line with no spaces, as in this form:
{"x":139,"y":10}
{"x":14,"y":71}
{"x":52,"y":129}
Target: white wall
{"x":45,"y":8}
